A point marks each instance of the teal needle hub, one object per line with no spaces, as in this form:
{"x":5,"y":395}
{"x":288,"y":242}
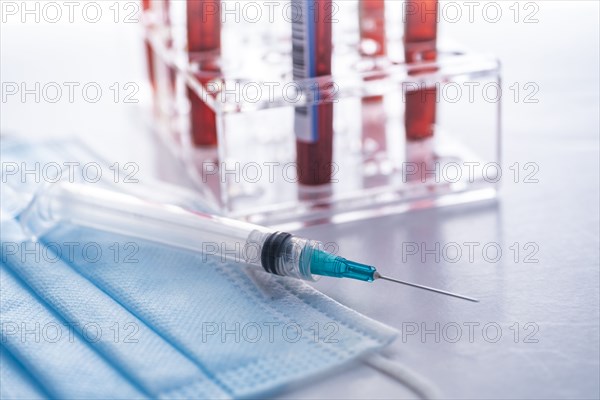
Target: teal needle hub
{"x":327,"y":264}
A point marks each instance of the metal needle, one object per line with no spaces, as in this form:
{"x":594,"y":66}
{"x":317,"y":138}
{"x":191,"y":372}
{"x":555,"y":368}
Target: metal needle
{"x":376,"y":275}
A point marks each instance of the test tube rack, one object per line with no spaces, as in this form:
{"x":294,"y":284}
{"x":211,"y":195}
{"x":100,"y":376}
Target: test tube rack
{"x":251,"y":174}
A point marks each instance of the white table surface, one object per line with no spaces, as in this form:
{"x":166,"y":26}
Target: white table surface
{"x":560,"y":214}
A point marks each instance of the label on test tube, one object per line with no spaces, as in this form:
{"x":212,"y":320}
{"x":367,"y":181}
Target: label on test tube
{"x":304,"y":60}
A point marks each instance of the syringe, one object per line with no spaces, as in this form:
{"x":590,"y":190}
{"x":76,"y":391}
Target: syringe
{"x":275,"y":252}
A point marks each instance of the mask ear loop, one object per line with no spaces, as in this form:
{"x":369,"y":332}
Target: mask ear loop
{"x":403,"y":375}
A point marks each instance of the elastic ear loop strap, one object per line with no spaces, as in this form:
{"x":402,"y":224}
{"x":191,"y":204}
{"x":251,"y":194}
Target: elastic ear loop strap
{"x":402,"y":374}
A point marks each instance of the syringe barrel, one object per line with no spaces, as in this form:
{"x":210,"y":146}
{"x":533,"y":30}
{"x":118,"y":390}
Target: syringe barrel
{"x":227,"y":239}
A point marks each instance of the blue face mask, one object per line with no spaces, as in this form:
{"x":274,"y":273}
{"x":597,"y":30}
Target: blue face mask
{"x":87,"y":314}
{"x":27,"y":167}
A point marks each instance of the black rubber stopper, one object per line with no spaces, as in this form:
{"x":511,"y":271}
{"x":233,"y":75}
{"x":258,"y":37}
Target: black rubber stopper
{"x":271,"y":250}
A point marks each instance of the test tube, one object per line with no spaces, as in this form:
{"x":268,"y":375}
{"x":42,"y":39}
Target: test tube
{"x":204,"y":35}
{"x":149,"y":52}
{"x":166,"y":18}
{"x":420,"y":34}
{"x":313,"y":124}
{"x":371,"y":15}
{"x":372,"y":27}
